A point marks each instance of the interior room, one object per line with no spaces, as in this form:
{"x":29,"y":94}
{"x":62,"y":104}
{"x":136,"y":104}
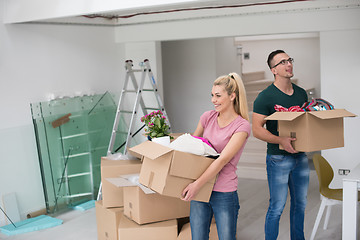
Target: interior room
{"x":63,"y":67}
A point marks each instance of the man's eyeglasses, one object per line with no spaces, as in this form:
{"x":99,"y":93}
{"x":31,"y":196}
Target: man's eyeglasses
{"x":284,"y":61}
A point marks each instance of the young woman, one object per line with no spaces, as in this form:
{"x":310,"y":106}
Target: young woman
{"x":227,"y":128}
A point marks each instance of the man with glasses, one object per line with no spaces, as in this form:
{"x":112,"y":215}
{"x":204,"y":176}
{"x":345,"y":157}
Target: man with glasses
{"x":288,"y":168}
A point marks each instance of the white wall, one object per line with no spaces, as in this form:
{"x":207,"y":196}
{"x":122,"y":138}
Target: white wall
{"x":189,"y":68}
{"x":36,"y":60}
{"x":139,"y":51}
{"x":227,"y":59}
{"x":340,"y":83}
{"x":305,"y":51}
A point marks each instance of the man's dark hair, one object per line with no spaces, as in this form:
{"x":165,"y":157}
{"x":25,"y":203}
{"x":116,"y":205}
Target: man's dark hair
{"x":272,"y":55}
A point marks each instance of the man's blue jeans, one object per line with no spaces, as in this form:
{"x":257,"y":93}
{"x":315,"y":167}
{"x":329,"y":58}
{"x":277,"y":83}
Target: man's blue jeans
{"x":287,"y":172}
{"x":225,"y":208}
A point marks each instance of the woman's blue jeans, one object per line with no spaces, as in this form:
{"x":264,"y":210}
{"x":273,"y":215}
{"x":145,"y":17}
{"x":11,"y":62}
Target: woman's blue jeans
{"x":287,"y":172}
{"x":225,"y":208}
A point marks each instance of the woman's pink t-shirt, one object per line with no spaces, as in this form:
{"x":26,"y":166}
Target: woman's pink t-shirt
{"x":227,"y":180}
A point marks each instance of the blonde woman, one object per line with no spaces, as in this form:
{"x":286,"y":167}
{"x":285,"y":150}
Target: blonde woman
{"x":227,"y":128}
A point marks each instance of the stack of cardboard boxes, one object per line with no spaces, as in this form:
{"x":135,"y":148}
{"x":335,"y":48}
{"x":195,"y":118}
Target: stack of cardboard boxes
{"x":128,"y":213}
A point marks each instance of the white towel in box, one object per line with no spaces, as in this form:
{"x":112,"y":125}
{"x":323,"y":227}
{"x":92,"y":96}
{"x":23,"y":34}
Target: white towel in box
{"x":190,"y":144}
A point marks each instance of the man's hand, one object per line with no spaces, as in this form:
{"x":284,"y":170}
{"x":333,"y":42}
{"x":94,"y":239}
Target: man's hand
{"x":285,"y":142}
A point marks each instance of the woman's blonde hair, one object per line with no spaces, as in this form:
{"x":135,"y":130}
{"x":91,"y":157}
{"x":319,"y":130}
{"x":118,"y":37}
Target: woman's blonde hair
{"x":234,"y":84}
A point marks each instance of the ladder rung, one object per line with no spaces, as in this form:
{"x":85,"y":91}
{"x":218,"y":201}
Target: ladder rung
{"x":125,"y":111}
{"x":136,"y":70}
{"x":150,"y":108}
{"x":149,"y":90}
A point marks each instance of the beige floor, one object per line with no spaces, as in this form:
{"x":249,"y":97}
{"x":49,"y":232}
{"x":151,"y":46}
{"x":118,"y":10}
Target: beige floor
{"x":253,"y":205}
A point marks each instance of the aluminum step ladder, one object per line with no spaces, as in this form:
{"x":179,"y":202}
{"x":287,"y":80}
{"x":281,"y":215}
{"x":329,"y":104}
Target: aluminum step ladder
{"x":132,"y":111}
{"x":122,"y":110}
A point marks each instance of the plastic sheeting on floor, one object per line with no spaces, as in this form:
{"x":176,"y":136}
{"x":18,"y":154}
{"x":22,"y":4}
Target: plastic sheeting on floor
{"x":85,"y":206}
{"x":31,"y":224}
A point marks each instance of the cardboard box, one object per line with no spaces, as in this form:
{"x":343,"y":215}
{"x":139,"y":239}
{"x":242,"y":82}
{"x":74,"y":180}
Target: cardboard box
{"x":185,"y":233}
{"x":143,"y":205}
{"x":148,"y":208}
{"x":314,"y":130}
{"x":168,"y":171}
{"x":130,"y":230}
{"x":108,"y":220}
{"x":112,"y":196}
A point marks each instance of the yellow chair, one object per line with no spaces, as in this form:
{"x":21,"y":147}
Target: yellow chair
{"x":329,"y":197}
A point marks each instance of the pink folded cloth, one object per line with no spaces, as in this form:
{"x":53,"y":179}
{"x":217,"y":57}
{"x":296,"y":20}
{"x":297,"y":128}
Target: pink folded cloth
{"x":280,"y":108}
{"x":204,"y":140}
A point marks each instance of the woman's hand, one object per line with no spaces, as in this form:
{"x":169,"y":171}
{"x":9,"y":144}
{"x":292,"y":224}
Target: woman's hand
{"x":190,"y":191}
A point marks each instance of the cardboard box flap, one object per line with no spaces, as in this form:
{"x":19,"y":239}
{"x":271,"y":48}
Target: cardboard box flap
{"x":336,"y":113}
{"x":182,"y":165}
{"x":129,"y":181}
{"x":284,"y":116}
{"x":150,"y":149}
{"x":120,"y":182}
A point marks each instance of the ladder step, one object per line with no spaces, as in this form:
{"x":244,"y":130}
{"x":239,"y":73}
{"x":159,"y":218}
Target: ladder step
{"x":149,"y":90}
{"x":126,"y":111}
{"x":149,"y":108}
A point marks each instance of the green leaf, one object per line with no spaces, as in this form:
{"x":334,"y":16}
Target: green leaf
{"x":157,"y":122}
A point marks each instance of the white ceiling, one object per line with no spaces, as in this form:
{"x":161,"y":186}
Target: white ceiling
{"x":124,"y":12}
{"x":182,"y":8}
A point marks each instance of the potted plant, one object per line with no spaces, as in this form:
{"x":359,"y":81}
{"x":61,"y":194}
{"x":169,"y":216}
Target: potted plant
{"x":156,"y":126}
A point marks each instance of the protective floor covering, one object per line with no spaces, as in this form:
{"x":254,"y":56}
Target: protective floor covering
{"x":30,"y":225}
{"x":85,"y":206}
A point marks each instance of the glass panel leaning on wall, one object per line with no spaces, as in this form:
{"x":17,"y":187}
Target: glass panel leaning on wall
{"x":72,"y":134}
